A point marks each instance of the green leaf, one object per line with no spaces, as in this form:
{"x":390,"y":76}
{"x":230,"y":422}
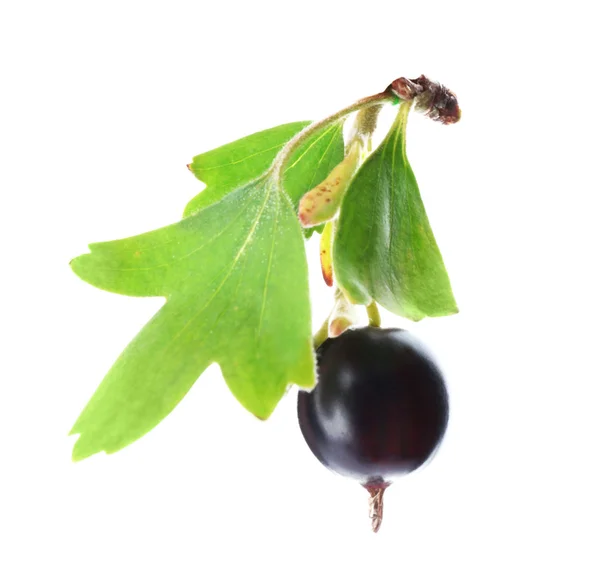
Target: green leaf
{"x":384,"y":248}
{"x":227,"y":167}
{"x":313,"y":161}
{"x":230,"y":166}
{"x":236,"y":283}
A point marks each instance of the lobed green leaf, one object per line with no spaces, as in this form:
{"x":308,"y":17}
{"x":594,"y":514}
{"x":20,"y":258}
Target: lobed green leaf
{"x":236,"y":283}
{"x":232,"y":165}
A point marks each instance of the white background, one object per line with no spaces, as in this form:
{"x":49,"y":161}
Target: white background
{"x":102,"y":106}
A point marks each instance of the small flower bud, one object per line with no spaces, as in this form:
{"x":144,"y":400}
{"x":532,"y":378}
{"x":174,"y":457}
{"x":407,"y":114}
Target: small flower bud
{"x":343,"y":316}
{"x":321,"y":203}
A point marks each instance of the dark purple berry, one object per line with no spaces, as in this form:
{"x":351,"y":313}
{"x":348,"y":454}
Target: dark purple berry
{"x":379,"y":410}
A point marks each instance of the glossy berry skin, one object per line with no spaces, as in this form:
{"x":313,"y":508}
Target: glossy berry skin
{"x":380,"y":407}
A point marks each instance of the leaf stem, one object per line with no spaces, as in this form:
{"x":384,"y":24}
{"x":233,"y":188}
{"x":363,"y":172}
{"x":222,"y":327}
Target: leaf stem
{"x":401,"y":121}
{"x":373,"y":314}
{"x":278,"y":167}
{"x":322,"y":334}
{"x":364,"y":126}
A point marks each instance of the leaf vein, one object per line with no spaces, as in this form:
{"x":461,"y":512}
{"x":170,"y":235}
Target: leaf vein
{"x":391,"y":205}
{"x":312,"y":181}
{"x":245,"y":158}
{"x":268,"y":274}
{"x":313,"y":143}
{"x":231,"y":268}
{"x":182,"y":257}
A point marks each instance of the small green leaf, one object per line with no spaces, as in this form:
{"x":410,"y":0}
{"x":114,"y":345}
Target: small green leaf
{"x":234,"y":164}
{"x":236,"y":283}
{"x":241,"y":161}
{"x":313,"y":161}
{"x":384,"y":248}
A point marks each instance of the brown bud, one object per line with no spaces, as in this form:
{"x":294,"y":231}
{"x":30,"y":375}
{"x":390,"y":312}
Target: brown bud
{"x":431,"y":98}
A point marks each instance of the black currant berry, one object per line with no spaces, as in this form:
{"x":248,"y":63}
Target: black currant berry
{"x":379,"y":410}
